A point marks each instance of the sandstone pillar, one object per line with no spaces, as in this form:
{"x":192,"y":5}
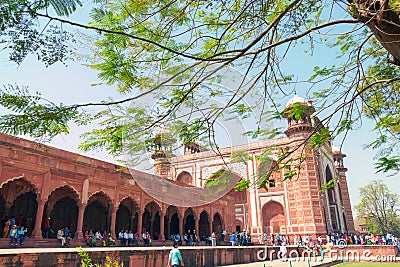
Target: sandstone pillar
{"x":81,"y":212}
{"x":182,"y":226}
{"x":113,"y":221}
{"x":161,"y":234}
{"x":139,"y":225}
{"x":196,"y":226}
{"x":37,"y":232}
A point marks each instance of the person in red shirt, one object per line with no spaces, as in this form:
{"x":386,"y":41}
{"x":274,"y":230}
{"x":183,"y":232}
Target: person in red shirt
{"x":46,"y":227}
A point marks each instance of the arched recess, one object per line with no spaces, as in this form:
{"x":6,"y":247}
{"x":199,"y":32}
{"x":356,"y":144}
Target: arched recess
{"x":97,"y":216}
{"x":273,"y":217}
{"x":217,"y":224}
{"x":20,"y":198}
{"x":62,"y":206}
{"x":332,"y":198}
{"x":172,"y":221}
{"x":184,"y":178}
{"x":127,"y":216}
{"x":189,"y":220}
{"x":151,"y":219}
{"x":204,"y":225}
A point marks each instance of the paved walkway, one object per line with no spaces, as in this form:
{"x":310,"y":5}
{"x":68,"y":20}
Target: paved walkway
{"x":279,"y":263}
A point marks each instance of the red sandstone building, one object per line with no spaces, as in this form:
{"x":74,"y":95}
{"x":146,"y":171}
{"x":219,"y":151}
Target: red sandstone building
{"x":84,"y":193}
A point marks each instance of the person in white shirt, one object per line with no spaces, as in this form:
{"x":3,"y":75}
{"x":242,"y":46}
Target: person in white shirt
{"x":130,"y":238}
{"x":98,"y":236}
{"x":60,"y":235}
{"x":144,"y":236}
{"x":126,"y":237}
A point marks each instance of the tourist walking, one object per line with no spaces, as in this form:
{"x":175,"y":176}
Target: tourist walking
{"x":175,"y":257}
{"x":233,"y":239}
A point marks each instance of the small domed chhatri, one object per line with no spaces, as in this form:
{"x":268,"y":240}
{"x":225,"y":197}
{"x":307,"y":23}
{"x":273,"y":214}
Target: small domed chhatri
{"x":296,"y":99}
{"x":336,"y":150}
{"x":300,"y":122}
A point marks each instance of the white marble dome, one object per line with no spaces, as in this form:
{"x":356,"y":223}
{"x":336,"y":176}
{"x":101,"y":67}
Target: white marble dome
{"x":296,"y":99}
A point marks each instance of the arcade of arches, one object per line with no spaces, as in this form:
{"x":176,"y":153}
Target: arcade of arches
{"x":84,"y":193}
{"x":19,"y":198}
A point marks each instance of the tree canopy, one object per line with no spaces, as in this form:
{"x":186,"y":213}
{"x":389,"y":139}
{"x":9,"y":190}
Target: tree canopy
{"x":176,"y":51}
{"x":379,"y":207}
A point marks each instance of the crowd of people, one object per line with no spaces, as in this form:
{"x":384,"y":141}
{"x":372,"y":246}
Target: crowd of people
{"x":14,"y":229}
{"x":347,"y":239}
{"x":190,"y":238}
{"x":93,"y":239}
{"x":242,"y":238}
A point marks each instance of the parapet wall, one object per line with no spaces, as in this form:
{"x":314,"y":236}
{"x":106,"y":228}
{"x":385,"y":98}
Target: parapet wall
{"x":193,"y":257}
{"x":130,"y":257}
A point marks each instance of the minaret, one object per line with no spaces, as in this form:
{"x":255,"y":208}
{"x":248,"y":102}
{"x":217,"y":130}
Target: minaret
{"x":163,"y":142}
{"x":299,"y":125}
{"x":338,"y":157}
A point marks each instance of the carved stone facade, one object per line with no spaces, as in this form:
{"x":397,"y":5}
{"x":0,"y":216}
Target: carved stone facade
{"x":82,"y":193}
{"x":290,"y":207}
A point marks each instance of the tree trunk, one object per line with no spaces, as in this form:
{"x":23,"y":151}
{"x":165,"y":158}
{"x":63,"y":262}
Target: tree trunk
{"x":383,"y":19}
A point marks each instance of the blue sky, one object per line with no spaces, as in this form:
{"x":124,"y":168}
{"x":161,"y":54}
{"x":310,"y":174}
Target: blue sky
{"x":73,"y":84}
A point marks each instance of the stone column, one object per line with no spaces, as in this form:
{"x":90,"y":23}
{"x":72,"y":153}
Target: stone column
{"x":113,"y":221}
{"x":37,"y":232}
{"x":196,"y":226}
{"x":79,"y":230}
{"x":182,"y":226}
{"x":139,"y":225}
{"x":161,"y":236}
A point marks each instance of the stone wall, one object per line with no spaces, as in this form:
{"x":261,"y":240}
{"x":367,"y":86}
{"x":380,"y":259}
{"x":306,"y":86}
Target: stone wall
{"x":151,"y":257}
{"x":157,"y":256}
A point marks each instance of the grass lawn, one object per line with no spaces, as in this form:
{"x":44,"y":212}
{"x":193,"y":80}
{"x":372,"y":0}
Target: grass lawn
{"x":368,"y":264}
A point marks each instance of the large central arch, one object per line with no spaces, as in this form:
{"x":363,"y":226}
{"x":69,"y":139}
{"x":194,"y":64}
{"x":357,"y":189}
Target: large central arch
{"x":273,"y":217}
